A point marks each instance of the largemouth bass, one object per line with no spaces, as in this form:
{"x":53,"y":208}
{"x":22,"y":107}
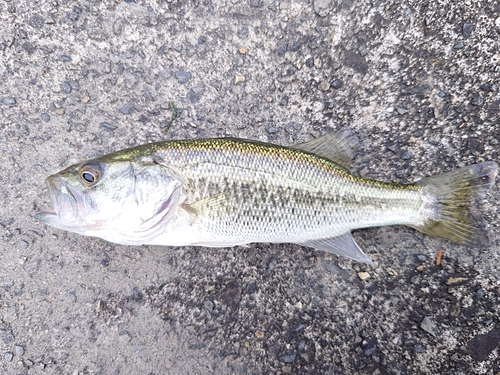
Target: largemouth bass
{"x":228,"y":192}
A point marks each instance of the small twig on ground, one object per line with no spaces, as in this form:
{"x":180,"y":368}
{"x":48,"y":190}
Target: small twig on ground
{"x":439,"y":257}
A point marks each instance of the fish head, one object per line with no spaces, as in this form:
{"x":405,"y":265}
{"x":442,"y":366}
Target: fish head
{"x":124,"y":201}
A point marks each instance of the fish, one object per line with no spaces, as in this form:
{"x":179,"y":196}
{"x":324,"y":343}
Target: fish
{"x":225,"y":192}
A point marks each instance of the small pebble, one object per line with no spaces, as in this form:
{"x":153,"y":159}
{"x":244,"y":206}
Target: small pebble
{"x":147,"y":95}
{"x":401,"y":110}
{"x":127,"y":108}
{"x":405,"y":155}
{"x":243,"y":32}
{"x":255,"y":3}
{"x":114,"y":58}
{"x":391,"y":272}
{"x":302,"y":344}
{"x":477,"y":100}
{"x":474,"y":144}
{"x":19,"y":350}
{"x":72,"y":297}
{"x":288,"y":358}
{"x":322,"y":7}
{"x":490,"y":87}
{"x":208,"y":305}
{"x":85,"y":99}
{"x":7,"y":101}
{"x":182,"y":77}
{"x":479,"y":294}
{"x":419,"y":348}
{"x":66,"y":87}
{"x":296,"y":46}
{"x":293,"y":127}
{"x":317,"y":62}
{"x":324,"y":86}
{"x":337,"y":84}
{"x":45,"y":117}
{"x":239,"y":79}
{"x":8,"y":356}
{"x":429,"y":326}
{"x":455,"y":280}
{"x":363,"y":275}
{"x":282,"y":48}
{"x":259,"y":334}
{"x":243,"y":50}
{"x":124,"y":336}
{"x":370,"y":347}
{"x":467,"y":29}
{"x":107,"y":126}
{"x":100,"y":306}
{"x":195,"y":93}
{"x":269,"y":99}
{"x":363,"y":172}
{"x":299,"y":328}
{"x":271,"y":130}
{"x":422,"y":257}
{"x":394,"y":147}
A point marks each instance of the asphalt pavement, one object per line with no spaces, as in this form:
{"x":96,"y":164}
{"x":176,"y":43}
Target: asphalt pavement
{"x":418,"y":82}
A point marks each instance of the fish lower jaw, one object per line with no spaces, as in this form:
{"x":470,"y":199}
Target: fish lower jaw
{"x":46,"y":217}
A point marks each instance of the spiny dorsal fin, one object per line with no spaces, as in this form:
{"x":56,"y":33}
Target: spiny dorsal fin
{"x":338,"y":147}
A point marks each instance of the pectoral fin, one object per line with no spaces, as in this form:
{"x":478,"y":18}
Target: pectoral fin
{"x":216,"y":204}
{"x":343,"y":246}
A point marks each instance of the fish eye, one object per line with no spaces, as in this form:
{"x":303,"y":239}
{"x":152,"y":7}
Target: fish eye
{"x":89,"y":177}
{"x":90,"y":174}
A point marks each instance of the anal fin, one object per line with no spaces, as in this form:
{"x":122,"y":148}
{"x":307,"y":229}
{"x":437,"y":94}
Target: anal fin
{"x":343,"y":245}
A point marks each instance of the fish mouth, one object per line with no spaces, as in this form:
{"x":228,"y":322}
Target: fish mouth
{"x":66,"y":201}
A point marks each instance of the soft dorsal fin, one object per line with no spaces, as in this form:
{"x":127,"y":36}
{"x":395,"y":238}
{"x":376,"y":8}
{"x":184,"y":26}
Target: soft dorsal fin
{"x":338,"y":147}
{"x":343,"y":246}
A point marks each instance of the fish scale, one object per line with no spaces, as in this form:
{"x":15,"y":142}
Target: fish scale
{"x":306,"y":195}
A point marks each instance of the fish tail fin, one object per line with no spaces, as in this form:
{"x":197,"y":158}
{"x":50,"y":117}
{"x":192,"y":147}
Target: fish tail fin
{"x":455,"y":197}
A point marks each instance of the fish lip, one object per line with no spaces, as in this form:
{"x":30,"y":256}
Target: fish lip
{"x":59,"y":190}
{"x":49,"y":215}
